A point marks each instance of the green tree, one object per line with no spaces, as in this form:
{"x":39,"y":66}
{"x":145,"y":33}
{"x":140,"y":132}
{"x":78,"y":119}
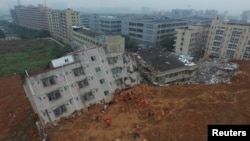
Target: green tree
{"x":168,"y":43}
{"x":2,"y":35}
{"x":26,"y":33}
{"x":43,"y":34}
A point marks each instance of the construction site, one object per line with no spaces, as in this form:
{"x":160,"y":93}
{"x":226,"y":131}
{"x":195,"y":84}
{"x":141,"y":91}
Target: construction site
{"x":143,"y":112}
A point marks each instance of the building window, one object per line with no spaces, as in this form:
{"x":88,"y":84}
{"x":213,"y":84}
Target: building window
{"x":116,"y":71}
{"x":88,"y":96}
{"x":54,"y":95}
{"x":102,"y":81}
{"x":48,"y":81}
{"x":83,"y":83}
{"x":118,"y":82}
{"x":93,"y":58}
{"x":112,"y":60}
{"x":106,"y":93}
{"x":98,"y":69}
{"x":78,"y":71}
{"x":60,"y":110}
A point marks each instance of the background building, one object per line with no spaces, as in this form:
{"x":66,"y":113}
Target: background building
{"x":60,"y":23}
{"x":246,"y":16}
{"x":33,"y":17}
{"x":191,"y":41}
{"x":151,"y":31}
{"x":114,"y":43}
{"x":211,"y":14}
{"x":85,"y":20}
{"x":105,"y":24}
{"x":228,"y":40}
{"x":109,"y":25}
{"x":182,"y":13}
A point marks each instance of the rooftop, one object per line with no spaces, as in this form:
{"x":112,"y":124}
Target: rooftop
{"x":86,"y":31}
{"x":160,"y":60}
{"x":151,"y":20}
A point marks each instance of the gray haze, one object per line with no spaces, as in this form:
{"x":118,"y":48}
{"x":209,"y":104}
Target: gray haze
{"x":234,"y":7}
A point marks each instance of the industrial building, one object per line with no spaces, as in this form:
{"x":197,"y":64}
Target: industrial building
{"x":33,"y":17}
{"x":161,"y":68}
{"x":191,"y":41}
{"x":106,"y":24}
{"x":228,"y":40}
{"x":151,"y":31}
{"x":77,"y":80}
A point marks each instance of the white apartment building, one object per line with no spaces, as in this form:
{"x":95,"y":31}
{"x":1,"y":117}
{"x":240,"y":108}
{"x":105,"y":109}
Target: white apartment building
{"x":76,"y":81}
{"x":191,"y":41}
{"x":228,"y":40}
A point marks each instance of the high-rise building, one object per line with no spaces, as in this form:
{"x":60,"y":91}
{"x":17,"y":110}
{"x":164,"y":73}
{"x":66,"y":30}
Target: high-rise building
{"x":191,"y":41}
{"x":33,"y":17}
{"x":228,"y":40}
{"x":61,"y":22}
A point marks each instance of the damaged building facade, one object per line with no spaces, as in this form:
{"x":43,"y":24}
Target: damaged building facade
{"x":78,"y":80}
{"x":164,"y":68}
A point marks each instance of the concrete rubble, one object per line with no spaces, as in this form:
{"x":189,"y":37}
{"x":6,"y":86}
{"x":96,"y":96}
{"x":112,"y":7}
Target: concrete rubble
{"x":214,"y":71}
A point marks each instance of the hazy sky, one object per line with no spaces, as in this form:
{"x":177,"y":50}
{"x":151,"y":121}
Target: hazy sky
{"x":232,"y":6}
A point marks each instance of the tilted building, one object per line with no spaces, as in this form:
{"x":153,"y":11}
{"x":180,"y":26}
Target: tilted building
{"x":78,"y":80}
{"x":228,"y":40}
{"x":191,"y":41}
{"x":33,"y":17}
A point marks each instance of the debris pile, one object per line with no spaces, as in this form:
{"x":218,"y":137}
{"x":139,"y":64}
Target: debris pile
{"x":214,"y":71}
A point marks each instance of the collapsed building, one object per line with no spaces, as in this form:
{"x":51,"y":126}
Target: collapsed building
{"x":214,"y":71}
{"x":77,"y":80}
{"x":162,"y":68}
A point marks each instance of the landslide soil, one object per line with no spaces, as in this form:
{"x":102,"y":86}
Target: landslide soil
{"x":180,"y":112}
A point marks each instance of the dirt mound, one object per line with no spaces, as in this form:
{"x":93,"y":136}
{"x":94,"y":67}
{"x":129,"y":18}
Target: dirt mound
{"x":16,"y":115}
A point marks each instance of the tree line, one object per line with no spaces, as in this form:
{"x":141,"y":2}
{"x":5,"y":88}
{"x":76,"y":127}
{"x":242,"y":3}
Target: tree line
{"x":23,"y":32}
